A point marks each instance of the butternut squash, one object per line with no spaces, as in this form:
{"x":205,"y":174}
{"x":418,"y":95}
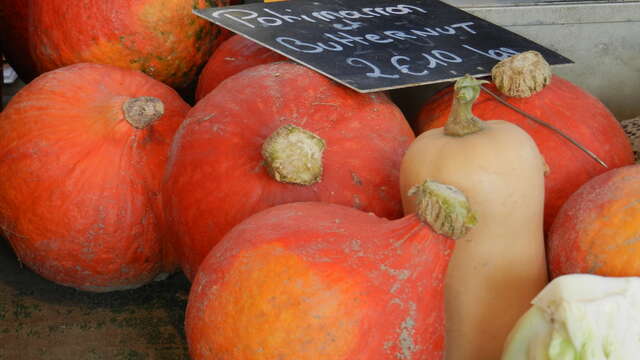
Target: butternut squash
{"x":499,"y":266}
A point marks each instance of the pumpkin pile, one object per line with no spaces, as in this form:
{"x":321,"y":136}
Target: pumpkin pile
{"x":560,"y":103}
{"x":313,"y":222}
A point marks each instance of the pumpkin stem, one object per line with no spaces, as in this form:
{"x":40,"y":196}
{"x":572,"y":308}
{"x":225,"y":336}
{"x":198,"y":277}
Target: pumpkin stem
{"x":142,"y":111}
{"x":522,"y":75}
{"x":444,"y":207}
{"x":294,"y":155}
{"x":461,"y":120}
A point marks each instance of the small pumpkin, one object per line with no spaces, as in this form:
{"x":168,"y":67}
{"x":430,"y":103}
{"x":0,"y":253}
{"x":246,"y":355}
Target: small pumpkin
{"x":162,"y":38}
{"x":314,"y":280}
{"x":232,"y":56}
{"x":499,"y":266}
{"x":558,"y":102}
{"x":278,"y":133}
{"x":597,"y":229}
{"x":83,"y":149}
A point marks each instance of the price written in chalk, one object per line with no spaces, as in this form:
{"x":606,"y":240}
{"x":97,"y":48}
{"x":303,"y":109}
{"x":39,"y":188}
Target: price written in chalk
{"x":387,"y":46}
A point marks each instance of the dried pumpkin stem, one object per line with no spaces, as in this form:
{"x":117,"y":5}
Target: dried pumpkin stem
{"x":142,"y":111}
{"x":522,"y":75}
{"x":444,"y":208}
{"x":461,"y":120}
{"x":294,"y":155}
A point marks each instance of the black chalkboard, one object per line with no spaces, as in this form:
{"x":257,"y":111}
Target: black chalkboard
{"x":372,"y":45}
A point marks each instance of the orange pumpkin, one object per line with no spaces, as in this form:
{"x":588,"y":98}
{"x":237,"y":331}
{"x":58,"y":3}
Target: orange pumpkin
{"x":279,"y":133}
{"x":232,"y":56}
{"x":162,"y":38}
{"x":82,"y":150}
{"x":323,"y":281}
{"x":568,"y":108}
{"x":598,"y":228}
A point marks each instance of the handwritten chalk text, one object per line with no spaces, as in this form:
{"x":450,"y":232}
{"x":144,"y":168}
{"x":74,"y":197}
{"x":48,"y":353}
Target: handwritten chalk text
{"x":428,"y":61}
{"x":253,"y":19}
{"x":343,"y":39}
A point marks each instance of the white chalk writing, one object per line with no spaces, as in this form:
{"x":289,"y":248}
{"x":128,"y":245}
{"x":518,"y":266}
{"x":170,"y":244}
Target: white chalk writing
{"x":253,"y":19}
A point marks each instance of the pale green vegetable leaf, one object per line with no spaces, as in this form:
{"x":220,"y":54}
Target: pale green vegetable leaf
{"x":580,"y":317}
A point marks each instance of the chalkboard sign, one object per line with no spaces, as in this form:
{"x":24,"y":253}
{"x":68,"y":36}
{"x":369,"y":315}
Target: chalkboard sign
{"x":372,"y":45}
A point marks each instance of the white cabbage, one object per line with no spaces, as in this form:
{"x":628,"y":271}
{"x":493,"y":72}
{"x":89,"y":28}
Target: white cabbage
{"x":580,"y":317}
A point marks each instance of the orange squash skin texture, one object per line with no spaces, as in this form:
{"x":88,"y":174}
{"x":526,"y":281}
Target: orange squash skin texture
{"x":216,"y":167}
{"x":598,"y":228}
{"x":321,"y":281}
{"x":568,"y":108}
{"x":162,"y":38}
{"x":81,"y":206}
{"x":232,"y":56}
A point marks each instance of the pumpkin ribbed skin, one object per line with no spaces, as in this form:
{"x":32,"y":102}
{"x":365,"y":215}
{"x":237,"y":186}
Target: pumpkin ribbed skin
{"x":216,"y":167}
{"x":162,"y":38}
{"x":232,"y":56}
{"x":80,"y":201}
{"x":570,"y":109}
{"x":597,"y":229}
{"x":321,"y":281}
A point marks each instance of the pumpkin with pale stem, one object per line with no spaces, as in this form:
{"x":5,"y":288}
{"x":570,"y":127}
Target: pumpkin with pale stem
{"x":279,"y":133}
{"x":528,"y":84}
{"x":85,"y":147}
{"x":324,"y":281}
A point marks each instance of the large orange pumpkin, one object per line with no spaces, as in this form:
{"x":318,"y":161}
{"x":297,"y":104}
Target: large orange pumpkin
{"x":279,"y":133}
{"x":162,"y":38}
{"x":314,"y":280}
{"x":568,"y":108}
{"x":232,"y":56}
{"x":598,"y":228}
{"x":82,"y":152}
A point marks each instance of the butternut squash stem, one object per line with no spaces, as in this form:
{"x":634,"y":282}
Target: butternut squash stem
{"x":444,"y":207}
{"x":461,"y":120}
{"x":545,"y":124}
{"x":140,"y":112}
{"x":294,"y":155}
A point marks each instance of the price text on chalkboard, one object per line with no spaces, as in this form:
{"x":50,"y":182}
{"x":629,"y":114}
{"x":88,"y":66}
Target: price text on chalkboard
{"x":378,"y":45}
